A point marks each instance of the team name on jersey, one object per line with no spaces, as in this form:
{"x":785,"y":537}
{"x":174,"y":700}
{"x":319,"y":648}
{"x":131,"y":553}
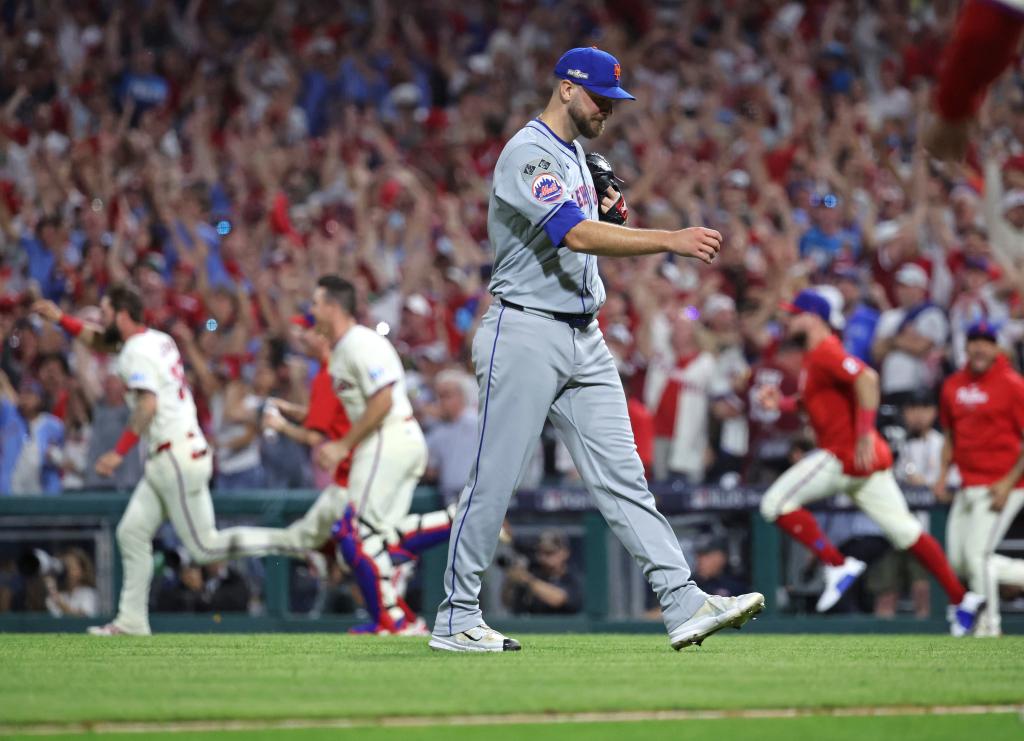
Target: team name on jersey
{"x":971,"y":396}
{"x":585,"y":195}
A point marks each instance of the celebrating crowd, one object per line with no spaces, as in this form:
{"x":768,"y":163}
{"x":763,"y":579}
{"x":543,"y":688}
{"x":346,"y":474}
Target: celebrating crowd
{"x":223,"y":155}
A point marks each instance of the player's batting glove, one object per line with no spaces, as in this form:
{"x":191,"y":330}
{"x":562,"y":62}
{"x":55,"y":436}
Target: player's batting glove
{"x":604,"y":178}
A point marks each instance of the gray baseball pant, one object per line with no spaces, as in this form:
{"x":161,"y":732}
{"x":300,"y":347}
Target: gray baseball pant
{"x":531,"y":367}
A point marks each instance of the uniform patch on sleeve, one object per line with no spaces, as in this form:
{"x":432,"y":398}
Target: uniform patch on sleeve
{"x":137,"y":378}
{"x":535,"y":167}
{"x":547,"y":188}
{"x":376,"y":374}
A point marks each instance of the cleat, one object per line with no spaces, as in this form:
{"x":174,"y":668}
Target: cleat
{"x":478,"y":639}
{"x":964,"y":619}
{"x":369,"y":629}
{"x":716,"y":613}
{"x":838,"y":579}
{"x":110,"y":629}
{"x":417,"y":627}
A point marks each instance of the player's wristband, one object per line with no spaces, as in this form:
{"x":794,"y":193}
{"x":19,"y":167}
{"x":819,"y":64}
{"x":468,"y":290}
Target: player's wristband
{"x":865,"y":421}
{"x":126,"y":442}
{"x":71,"y":324}
{"x":787,"y":404}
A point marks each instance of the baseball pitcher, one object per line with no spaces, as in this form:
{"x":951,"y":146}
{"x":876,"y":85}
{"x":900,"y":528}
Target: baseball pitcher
{"x":539,"y":354}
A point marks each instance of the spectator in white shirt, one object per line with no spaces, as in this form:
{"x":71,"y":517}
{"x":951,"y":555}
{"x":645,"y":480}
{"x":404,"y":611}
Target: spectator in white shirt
{"x":910,"y":339}
{"x":452,"y":441}
{"x":76,"y":595}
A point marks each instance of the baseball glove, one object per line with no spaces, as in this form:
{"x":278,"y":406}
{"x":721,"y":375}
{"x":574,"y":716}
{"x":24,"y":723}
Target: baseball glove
{"x":604,"y":178}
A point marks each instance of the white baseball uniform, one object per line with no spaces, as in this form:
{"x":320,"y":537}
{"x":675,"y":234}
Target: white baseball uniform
{"x":175,"y":478}
{"x":386,"y":465}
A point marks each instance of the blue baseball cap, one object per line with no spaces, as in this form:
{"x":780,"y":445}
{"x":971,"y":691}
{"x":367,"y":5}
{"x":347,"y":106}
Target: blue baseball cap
{"x":596,"y":70}
{"x":983,"y":329}
{"x":809,"y":302}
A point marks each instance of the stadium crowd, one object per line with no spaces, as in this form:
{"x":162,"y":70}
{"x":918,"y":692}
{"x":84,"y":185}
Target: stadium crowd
{"x":223,"y":155}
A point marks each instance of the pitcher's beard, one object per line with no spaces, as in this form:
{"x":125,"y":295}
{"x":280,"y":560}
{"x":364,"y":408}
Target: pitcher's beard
{"x":799,"y":338}
{"x":589,"y":128}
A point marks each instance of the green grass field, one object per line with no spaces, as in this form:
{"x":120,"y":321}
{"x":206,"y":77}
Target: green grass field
{"x":65,"y":681}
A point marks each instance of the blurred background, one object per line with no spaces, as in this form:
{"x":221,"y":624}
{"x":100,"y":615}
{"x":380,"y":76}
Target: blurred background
{"x":224,"y":154}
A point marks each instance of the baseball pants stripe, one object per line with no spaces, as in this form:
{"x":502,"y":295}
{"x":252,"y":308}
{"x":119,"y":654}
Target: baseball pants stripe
{"x":476,"y":474}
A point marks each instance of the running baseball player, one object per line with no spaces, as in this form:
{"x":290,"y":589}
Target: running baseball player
{"x":539,"y":353}
{"x":389,"y":453}
{"x":324,"y":419}
{"x":982,"y":413}
{"x":176,"y":474}
{"x":840,"y":395}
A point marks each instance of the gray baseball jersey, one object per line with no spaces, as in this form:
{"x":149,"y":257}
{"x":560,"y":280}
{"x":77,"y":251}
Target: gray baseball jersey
{"x":532,"y":366}
{"x":541,"y":189}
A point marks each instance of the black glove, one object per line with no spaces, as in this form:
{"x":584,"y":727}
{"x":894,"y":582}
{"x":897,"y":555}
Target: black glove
{"x":604,"y":178}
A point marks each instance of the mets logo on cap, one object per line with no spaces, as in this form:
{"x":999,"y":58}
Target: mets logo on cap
{"x":547,"y":188}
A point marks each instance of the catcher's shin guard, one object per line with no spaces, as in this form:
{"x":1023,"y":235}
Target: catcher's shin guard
{"x":366,"y":553}
{"x":417,"y":533}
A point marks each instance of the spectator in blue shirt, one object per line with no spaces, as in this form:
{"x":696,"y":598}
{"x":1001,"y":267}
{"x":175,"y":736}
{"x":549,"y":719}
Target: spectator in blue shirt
{"x":30,"y":440}
{"x":191,"y":237}
{"x":141,"y":85}
{"x":860,"y":312}
{"x":827,"y":239}
{"x":45,"y":253}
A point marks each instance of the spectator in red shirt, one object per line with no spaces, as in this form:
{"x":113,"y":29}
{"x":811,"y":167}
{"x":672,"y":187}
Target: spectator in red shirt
{"x":840,"y":395}
{"x":982,"y":411}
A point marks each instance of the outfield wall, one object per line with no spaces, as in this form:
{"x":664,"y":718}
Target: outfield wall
{"x":614,"y":591}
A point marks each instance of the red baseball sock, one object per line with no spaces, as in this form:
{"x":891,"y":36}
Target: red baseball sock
{"x":802,"y":526}
{"x":928,"y":551}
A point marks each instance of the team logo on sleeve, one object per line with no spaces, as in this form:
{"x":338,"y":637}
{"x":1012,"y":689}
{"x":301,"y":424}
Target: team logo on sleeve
{"x":547,"y":188}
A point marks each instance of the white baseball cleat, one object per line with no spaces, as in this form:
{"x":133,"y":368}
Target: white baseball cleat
{"x":480,"y":638}
{"x":837,"y":580}
{"x":964,"y":618}
{"x":716,"y":613}
{"x":110,"y":629}
{"x":988,"y":631}
{"x":417,"y":627}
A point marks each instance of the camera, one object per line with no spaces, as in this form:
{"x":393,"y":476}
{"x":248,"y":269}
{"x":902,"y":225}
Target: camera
{"x":38,"y":562}
{"x":508,"y":557}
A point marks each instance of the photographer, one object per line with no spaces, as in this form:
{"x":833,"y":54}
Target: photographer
{"x":78,"y":596}
{"x":545,"y":586}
